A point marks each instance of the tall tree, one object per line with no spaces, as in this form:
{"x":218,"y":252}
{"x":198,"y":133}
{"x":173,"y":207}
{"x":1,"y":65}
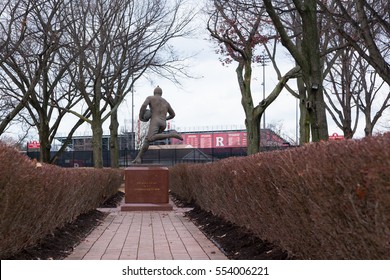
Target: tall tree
{"x":13,"y":15}
{"x":240,"y":27}
{"x":360,"y":33}
{"x":138,"y":51}
{"x":307,"y":56}
{"x":34,"y":74}
{"x":343,"y":92}
{"x":13,"y":19}
{"x":132,"y":38}
{"x":373,"y":100}
{"x":366,"y":27}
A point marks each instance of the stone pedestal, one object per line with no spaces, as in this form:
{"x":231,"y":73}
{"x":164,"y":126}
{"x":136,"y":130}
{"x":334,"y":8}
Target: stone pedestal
{"x":146,"y":189}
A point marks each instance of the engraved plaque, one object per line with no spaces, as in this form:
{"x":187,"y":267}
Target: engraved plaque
{"x":146,"y":185}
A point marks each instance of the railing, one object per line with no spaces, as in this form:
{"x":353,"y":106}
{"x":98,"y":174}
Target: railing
{"x":168,"y":157}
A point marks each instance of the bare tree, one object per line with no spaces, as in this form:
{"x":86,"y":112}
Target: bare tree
{"x":307,"y":56}
{"x":132,"y":38}
{"x":13,"y":21}
{"x":292,"y":22}
{"x":354,"y":88}
{"x":372,"y":99}
{"x":34,"y":73}
{"x":13,"y":18}
{"x":239,"y":27}
{"x":136,"y":52}
{"x":362,"y":27}
{"x":343,"y":92}
{"x":366,"y":27}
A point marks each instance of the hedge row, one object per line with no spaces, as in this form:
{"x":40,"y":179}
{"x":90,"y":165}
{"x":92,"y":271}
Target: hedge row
{"x":328,"y":200}
{"x":36,"y":199}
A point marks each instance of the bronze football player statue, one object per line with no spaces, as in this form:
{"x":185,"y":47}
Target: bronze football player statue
{"x":159,"y":112}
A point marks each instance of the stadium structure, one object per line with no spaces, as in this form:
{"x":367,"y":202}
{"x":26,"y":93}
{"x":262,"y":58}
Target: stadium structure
{"x":197,"y":146}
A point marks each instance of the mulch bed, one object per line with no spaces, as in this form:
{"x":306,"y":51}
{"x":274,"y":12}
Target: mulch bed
{"x":236,"y":242}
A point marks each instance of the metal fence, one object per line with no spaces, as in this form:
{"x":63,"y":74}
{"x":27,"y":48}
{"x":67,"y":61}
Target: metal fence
{"x":167,"y":157}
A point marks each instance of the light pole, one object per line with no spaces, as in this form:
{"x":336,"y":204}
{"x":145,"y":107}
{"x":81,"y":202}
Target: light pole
{"x":297,"y":101}
{"x":264,"y":59}
{"x":132,"y":117}
{"x":132,"y":110}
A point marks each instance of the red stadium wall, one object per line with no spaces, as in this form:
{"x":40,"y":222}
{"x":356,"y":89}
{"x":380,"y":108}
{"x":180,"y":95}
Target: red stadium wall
{"x":228,"y":139}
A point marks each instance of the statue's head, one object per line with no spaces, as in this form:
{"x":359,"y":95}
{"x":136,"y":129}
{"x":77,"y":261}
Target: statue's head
{"x":157,"y":91}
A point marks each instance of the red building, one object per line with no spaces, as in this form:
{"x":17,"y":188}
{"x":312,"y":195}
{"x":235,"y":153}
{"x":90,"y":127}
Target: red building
{"x":228,"y":139}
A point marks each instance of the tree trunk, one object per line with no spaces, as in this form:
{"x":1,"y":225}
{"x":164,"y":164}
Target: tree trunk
{"x":368,"y":127}
{"x":114,"y":145}
{"x":304,"y":121}
{"x":347,"y":110}
{"x":252,"y":124}
{"x":317,"y":114}
{"x":312,"y":72}
{"x":253,"y":114}
{"x":44,"y":142}
{"x":307,"y":56}
{"x":97,"y":136}
{"x":252,"y":119}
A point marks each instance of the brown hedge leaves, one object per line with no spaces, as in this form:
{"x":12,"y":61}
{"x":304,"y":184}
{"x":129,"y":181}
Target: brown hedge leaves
{"x":328,"y":200}
{"x":36,"y":199}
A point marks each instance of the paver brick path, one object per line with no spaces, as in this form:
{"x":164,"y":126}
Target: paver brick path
{"x":146,"y":235}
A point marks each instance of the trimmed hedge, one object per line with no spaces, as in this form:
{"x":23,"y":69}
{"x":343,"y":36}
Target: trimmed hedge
{"x":328,"y":200}
{"x":36,"y":199}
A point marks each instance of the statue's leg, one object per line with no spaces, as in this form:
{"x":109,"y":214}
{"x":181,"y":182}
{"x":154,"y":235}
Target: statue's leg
{"x":153,"y":129}
{"x":162,"y":136}
{"x":175,"y":135}
{"x":144,"y":148}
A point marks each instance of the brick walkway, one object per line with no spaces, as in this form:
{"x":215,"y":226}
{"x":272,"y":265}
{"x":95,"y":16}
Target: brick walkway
{"x":146,"y":235}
